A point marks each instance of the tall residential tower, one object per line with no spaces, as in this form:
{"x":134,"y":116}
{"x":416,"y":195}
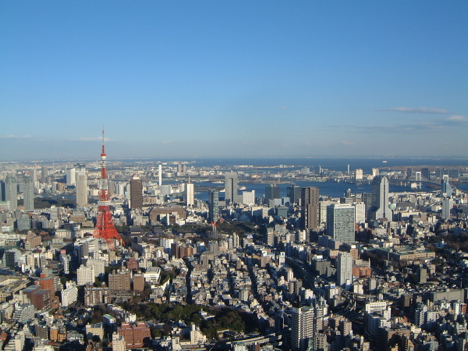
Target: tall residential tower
{"x":310,"y":208}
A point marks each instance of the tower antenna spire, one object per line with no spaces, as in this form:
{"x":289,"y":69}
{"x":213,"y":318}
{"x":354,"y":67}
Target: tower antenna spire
{"x":103,"y":142}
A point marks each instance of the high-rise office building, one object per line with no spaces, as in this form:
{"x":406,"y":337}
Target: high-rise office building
{"x":446,"y":187}
{"x":136,"y":192}
{"x":439,"y":172}
{"x":34,"y":174}
{"x":11,"y":192}
{"x":426,"y":173}
{"x":409,"y":173}
{"x":81,"y":186}
{"x":294,"y":194}
{"x":213,"y":199}
{"x":272,"y":191}
{"x":70,"y":175}
{"x":231,"y":185}
{"x":379,"y":208}
{"x":359,"y":212}
{"x":310,"y":208}
{"x":358,"y":174}
{"x":367,"y":199}
{"x":44,"y":174}
{"x":454,"y":173}
{"x":28,"y":193}
{"x":248,"y":197}
{"x":340,"y":222}
{"x":302,"y":328}
{"x":160,"y":174}
{"x":190,"y":194}
{"x":447,"y":205}
{"x":344,"y":269}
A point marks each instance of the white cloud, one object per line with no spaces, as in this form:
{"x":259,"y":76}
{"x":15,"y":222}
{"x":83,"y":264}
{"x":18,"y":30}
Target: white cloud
{"x":10,"y":136}
{"x":90,"y":139}
{"x":348,"y":142}
{"x":430,"y":110}
{"x":457,"y":118}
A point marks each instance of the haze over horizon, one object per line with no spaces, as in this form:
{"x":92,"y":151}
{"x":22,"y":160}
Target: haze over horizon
{"x":233,"y":79}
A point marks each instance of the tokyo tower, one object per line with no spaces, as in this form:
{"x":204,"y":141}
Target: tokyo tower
{"x":105,"y":228}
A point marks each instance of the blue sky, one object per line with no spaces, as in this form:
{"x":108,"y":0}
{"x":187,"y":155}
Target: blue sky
{"x":233,"y":78}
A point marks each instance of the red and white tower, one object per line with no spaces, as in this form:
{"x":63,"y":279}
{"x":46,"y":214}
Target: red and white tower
{"x":105,"y":228}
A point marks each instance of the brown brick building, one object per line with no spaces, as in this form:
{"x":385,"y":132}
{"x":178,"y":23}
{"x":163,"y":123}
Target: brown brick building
{"x":135,"y":335}
{"x":119,"y":280}
{"x":138,"y":282}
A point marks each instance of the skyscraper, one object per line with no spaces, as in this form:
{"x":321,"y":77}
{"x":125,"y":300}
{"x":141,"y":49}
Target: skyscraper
{"x":310,"y":208}
{"x":272,"y":191}
{"x":28,"y":194}
{"x":340,"y":222}
{"x":294,"y":193}
{"x":426,"y":173}
{"x":136,"y":192}
{"x":190,"y":194}
{"x":44,"y":174}
{"x":160,"y":175}
{"x":344,"y":269}
{"x":70,"y":175}
{"x":213,"y":199}
{"x":81,"y":186}
{"x":447,"y":205}
{"x":446,"y":187}
{"x":379,"y":208}
{"x":367,"y":199}
{"x":231,"y":186}
{"x":302,"y":329}
{"x":11,"y":192}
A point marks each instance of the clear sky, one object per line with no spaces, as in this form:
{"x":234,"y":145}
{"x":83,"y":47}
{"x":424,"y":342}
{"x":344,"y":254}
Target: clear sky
{"x":233,"y":78}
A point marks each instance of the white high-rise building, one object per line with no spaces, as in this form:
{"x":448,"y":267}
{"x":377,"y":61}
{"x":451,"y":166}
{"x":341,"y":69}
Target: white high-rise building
{"x":118,"y":342}
{"x":323,"y":210}
{"x":85,"y":275}
{"x":65,"y":260}
{"x":360,"y":212}
{"x":81,"y":186}
{"x":248,"y":197}
{"x":358,"y":174}
{"x":344,"y":269}
{"x":190,"y":194}
{"x":70,"y":294}
{"x":235,"y":240}
{"x":302,"y":328}
{"x":70,"y":175}
{"x":98,"y":266}
{"x":160,"y":175}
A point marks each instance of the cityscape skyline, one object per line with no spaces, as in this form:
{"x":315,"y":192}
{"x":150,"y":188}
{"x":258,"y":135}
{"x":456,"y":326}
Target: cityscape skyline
{"x":232,"y":79}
